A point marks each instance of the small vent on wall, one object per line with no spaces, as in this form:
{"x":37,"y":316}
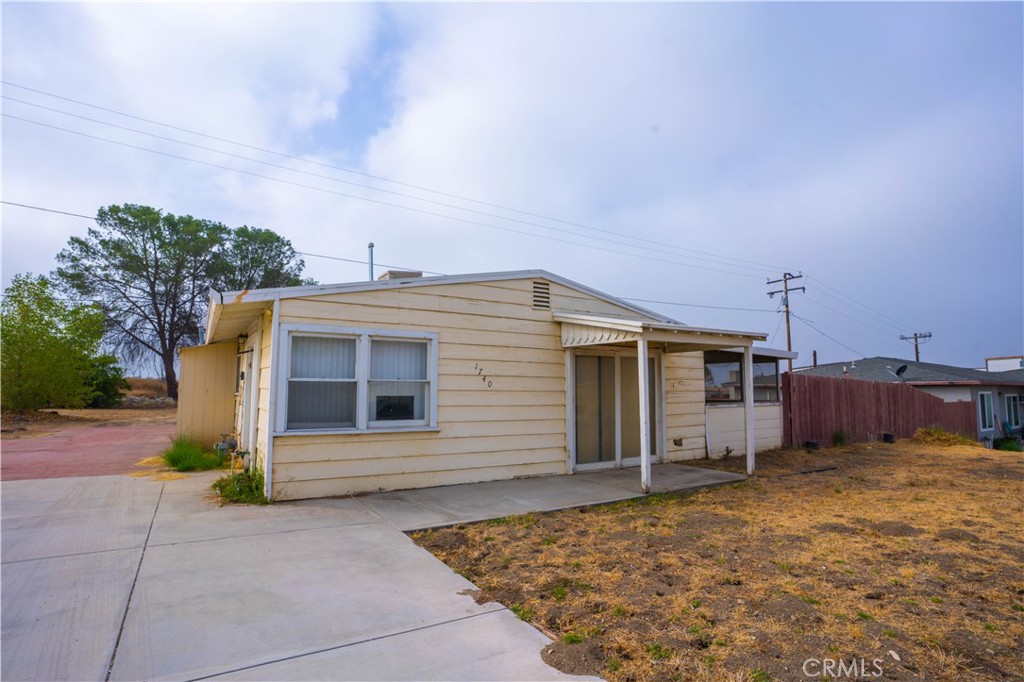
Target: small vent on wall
{"x":542,"y":295}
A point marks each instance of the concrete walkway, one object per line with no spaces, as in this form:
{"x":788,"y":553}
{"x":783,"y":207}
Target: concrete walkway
{"x":447,"y":505}
{"x":121,"y":578}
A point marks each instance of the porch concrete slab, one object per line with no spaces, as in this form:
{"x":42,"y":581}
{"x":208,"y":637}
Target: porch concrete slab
{"x":103,"y":513}
{"x":411,"y":510}
{"x":502,"y":650}
{"x":61,"y":615}
{"x":664,"y":478}
{"x":264,"y":598}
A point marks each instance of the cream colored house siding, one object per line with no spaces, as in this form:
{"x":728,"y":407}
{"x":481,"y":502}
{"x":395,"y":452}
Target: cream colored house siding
{"x":684,"y":405}
{"x":206,"y":391}
{"x":950,"y":394}
{"x":726,"y":428}
{"x":259,"y":454}
{"x":515,"y":427}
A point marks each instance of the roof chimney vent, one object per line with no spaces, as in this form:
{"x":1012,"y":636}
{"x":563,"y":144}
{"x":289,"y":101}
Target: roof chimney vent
{"x":400,"y":274}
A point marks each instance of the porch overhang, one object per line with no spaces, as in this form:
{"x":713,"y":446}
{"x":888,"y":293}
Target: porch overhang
{"x":580,"y":330}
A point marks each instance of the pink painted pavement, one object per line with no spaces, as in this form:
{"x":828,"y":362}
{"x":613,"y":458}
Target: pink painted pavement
{"x":98,"y":450}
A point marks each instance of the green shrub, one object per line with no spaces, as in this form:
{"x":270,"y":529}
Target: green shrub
{"x":1008,"y":443}
{"x":187,"y":454}
{"x":839,"y":437}
{"x":106,"y":379}
{"x":245,"y":487}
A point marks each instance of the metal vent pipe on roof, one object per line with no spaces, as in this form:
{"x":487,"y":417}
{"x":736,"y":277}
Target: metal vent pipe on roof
{"x":370,"y":247}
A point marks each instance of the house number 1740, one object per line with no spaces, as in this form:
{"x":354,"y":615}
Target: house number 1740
{"x":483,"y":377}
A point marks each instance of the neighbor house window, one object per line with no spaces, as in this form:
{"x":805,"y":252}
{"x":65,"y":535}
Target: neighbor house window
{"x":1013,"y":410}
{"x":723,"y":378}
{"x":985,"y":409}
{"x":358,"y":380}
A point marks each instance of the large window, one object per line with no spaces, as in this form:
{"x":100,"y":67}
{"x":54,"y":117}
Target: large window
{"x":985,"y":411}
{"x":1013,"y":411}
{"x":723,"y":378}
{"x":359,"y":380}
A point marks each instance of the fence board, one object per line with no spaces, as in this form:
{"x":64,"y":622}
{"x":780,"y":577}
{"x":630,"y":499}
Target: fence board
{"x":815,"y":408}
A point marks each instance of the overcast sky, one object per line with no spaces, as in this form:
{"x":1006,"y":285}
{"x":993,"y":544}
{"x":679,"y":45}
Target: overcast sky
{"x":673,"y":152}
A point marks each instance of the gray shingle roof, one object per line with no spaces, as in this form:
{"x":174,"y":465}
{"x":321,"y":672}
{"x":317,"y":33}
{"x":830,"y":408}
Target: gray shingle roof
{"x":879,"y":368}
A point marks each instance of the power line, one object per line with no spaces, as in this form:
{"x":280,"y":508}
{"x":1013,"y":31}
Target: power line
{"x":385,"y":191}
{"x":695,"y":305}
{"x":378,"y":201}
{"x":892,"y":321}
{"x":829,"y":337}
{"x":777,"y":325}
{"x":850,"y":317}
{"x":301,"y":253}
{"x":719,"y":257}
{"x":48,"y":210}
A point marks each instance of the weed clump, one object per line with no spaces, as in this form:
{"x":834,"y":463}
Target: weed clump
{"x":931,"y":435}
{"x":1008,"y":443}
{"x":188,"y":454}
{"x":244,"y":487}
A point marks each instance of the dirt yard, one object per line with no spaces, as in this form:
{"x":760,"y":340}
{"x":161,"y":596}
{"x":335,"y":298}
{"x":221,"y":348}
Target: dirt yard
{"x":897,"y":562}
{"x":31,"y":423}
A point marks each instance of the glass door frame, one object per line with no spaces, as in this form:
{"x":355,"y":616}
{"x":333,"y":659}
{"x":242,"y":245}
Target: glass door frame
{"x":621,"y":354}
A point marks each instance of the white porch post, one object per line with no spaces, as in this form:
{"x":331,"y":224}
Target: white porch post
{"x":643,"y":380}
{"x":748,"y":405}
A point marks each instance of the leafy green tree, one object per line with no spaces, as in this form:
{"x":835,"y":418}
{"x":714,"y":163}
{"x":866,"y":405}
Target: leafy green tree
{"x":152,"y":272}
{"x":254,"y":258}
{"x":46,"y":346}
{"x":106,"y":379}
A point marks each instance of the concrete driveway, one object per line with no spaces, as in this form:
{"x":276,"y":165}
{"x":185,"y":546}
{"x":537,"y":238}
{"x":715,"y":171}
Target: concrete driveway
{"x":120,"y":578}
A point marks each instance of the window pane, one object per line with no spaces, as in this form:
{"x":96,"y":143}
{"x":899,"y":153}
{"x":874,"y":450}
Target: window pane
{"x":316,"y":357}
{"x":985,"y":403}
{"x":398,"y":360}
{"x":722,"y":377}
{"x":321,"y":404}
{"x":398,"y":400}
{"x":766,"y":382}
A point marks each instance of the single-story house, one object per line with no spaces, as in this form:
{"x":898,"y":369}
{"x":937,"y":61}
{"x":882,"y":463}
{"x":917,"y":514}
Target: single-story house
{"x":998,"y":395}
{"x":413,"y":381}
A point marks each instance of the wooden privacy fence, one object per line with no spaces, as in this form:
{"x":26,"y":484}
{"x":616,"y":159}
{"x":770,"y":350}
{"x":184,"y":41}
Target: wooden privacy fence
{"x":818,"y":407}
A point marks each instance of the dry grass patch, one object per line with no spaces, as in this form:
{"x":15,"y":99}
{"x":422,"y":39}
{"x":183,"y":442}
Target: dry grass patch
{"x":904,"y":553}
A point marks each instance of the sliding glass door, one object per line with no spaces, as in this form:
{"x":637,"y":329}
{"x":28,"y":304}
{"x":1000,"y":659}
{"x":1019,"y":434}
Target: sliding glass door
{"x":608,"y":409}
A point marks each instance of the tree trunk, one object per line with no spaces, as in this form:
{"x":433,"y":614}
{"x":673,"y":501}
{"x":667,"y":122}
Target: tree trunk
{"x":170,"y":376}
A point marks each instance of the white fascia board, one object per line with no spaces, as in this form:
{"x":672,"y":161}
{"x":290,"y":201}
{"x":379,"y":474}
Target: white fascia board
{"x":632,"y":325}
{"x":213,"y":314}
{"x":768,"y":352}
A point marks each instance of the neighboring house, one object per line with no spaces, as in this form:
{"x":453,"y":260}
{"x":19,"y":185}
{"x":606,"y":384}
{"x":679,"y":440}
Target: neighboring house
{"x":1005,"y":363}
{"x":998,"y":395}
{"x":414,"y":381}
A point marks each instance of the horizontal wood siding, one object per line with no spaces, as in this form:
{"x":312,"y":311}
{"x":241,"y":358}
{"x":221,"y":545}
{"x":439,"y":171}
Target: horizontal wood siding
{"x":864,"y":410}
{"x":684,"y":405}
{"x":727,"y":428}
{"x":206,"y":391}
{"x":263,"y":410}
{"x":514,"y":427}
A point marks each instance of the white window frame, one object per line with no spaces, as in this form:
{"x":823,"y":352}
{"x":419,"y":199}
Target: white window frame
{"x":1011,"y":399}
{"x":982,"y":395}
{"x":364,"y":339}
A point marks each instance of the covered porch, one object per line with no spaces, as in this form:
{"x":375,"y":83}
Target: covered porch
{"x":630,"y":402}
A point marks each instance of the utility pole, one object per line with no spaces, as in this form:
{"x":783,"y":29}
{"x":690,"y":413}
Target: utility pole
{"x":786,"y":277}
{"x":922,"y":336}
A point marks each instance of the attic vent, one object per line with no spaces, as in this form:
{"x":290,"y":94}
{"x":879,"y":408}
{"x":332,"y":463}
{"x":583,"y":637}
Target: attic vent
{"x":542,"y":295}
